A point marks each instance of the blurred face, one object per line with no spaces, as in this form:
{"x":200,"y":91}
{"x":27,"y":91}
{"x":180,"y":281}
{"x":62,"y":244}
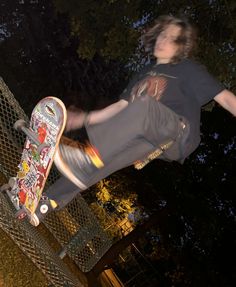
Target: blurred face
{"x":166,"y":46}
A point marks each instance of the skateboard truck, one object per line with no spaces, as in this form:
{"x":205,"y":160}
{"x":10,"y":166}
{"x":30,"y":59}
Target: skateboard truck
{"x":9,"y":185}
{"x":20,"y":125}
{"x":8,"y":188}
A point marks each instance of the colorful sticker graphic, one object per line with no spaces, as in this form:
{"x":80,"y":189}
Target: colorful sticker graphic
{"x":25,"y":166}
{"x":50,"y":110}
{"x":42,"y":132}
{"x":46,"y":123}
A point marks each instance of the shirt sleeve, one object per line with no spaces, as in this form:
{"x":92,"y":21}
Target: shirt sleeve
{"x":202,"y":83}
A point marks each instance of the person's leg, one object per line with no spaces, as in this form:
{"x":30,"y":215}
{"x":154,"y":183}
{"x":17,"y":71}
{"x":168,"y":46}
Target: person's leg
{"x":59,"y":194}
{"x":122,"y":140}
{"x":64,"y":190}
{"x":126,"y":138}
{"x":145,"y":120}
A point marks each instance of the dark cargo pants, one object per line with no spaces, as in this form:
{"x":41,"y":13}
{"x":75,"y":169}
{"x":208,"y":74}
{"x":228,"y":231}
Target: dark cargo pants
{"x":131,"y":135}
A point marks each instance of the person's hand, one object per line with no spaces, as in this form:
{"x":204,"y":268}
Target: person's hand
{"x":75,"y":119}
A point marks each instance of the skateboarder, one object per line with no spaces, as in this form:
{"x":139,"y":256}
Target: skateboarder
{"x":158,"y":115}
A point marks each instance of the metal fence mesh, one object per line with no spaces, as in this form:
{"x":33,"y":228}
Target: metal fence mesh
{"x":10,"y":140}
{"x":78,"y":231}
{"x":35,"y":247}
{"x":75,"y":227}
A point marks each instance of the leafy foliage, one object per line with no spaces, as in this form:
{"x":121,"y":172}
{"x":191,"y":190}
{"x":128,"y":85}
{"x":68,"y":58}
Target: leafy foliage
{"x":104,"y":27}
{"x":112,"y":29}
{"x":80,"y":52}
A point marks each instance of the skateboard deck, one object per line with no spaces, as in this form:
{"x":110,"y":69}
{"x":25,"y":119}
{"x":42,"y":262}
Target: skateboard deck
{"x":46,"y":126}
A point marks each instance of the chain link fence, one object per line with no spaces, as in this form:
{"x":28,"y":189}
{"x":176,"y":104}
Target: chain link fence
{"x":75,"y":228}
{"x":32,"y":243}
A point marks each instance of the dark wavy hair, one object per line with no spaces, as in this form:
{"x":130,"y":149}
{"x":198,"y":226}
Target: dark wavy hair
{"x":186,"y":40}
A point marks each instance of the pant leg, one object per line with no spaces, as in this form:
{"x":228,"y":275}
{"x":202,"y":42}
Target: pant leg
{"x":129,"y":136}
{"x":63,"y":190}
{"x":145,"y":118}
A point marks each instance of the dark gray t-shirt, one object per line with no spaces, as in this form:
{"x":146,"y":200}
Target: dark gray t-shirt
{"x":184,"y":88}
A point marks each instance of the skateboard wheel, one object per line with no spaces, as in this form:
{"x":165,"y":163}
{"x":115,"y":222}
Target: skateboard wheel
{"x":20,"y":214}
{"x":44,"y":208}
{"x":18,"y":125}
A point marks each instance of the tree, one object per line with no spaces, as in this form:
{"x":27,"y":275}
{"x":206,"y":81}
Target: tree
{"x":112,"y":29}
{"x":86,"y":50}
{"x":105,"y":27}
{"x":37,"y":39}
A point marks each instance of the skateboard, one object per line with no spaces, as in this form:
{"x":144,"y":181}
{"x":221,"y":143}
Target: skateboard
{"x":43,"y":134}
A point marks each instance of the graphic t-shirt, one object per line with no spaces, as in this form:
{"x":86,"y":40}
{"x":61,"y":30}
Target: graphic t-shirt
{"x":184,"y":88}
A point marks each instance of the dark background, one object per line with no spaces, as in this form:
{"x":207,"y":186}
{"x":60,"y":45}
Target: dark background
{"x":84,"y":53}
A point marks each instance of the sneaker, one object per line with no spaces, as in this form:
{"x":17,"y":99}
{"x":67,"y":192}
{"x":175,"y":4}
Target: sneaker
{"x":77,"y":163}
{"x":45,"y":206}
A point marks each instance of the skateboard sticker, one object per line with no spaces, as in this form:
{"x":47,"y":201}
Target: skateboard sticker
{"x":35,"y":154}
{"x":25,"y":166}
{"x":49,"y":108}
{"x":22,"y":196}
{"x":42,"y":132}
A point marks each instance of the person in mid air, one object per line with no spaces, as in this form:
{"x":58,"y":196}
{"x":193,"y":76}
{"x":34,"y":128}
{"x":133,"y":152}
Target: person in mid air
{"x":157,"y":115}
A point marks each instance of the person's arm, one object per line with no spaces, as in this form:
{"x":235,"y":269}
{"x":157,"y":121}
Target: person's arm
{"x":227,"y":100}
{"x":76,"y":119}
{"x":99,"y":116}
